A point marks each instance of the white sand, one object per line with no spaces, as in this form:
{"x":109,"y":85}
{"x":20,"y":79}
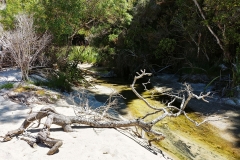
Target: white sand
{"x":85,"y":143}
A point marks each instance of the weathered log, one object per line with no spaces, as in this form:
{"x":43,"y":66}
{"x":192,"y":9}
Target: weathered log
{"x":65,"y":122}
{"x":96,"y":119}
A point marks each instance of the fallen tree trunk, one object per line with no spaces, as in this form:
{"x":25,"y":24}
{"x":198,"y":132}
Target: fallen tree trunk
{"x":65,"y":122}
{"x":100,"y":119}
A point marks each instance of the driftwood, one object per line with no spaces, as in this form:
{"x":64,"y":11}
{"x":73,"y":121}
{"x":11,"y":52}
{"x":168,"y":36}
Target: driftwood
{"x":98,"y":119}
{"x":65,"y":122}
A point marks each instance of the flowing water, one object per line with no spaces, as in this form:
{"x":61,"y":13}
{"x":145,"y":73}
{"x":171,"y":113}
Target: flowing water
{"x":183,"y":139}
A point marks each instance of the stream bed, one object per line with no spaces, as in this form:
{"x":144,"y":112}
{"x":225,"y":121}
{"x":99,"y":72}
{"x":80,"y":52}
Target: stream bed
{"x":184,"y":140}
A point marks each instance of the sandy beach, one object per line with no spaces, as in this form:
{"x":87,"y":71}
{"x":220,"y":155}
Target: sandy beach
{"x":84,"y":143}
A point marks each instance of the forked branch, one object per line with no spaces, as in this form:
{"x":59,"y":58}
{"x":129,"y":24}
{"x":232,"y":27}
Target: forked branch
{"x":99,"y":118}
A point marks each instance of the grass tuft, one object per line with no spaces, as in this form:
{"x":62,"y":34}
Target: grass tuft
{"x":6,"y":86}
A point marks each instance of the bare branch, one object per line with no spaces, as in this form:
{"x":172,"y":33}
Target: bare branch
{"x":102,"y":118}
{"x":134,"y":90}
{"x":204,"y":121}
{"x":210,"y":29}
{"x":24,"y":43}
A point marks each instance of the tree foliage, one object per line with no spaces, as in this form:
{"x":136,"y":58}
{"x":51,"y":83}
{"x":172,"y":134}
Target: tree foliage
{"x":208,"y":34}
{"x":177,"y":33}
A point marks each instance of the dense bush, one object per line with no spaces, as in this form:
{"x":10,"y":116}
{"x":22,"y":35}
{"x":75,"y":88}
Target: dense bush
{"x":142,"y":33}
{"x":84,"y":54}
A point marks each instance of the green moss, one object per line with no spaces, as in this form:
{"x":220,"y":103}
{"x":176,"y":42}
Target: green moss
{"x":40,"y":92}
{"x":24,"y":88}
{"x":204,"y":136}
{"x":6,"y":86}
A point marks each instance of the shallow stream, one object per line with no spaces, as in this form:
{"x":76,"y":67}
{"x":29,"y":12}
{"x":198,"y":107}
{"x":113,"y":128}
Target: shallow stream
{"x":183,"y":139}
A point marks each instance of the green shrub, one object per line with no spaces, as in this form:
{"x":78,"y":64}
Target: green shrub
{"x":236,"y":70}
{"x":58,"y":81}
{"x":83,"y":54}
{"x":63,"y":80}
{"x":166,"y":45}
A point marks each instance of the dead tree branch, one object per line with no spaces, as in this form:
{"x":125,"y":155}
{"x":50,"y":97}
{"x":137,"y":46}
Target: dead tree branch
{"x":24,"y":44}
{"x":99,"y":117}
{"x":210,"y":29}
{"x":65,"y":122}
